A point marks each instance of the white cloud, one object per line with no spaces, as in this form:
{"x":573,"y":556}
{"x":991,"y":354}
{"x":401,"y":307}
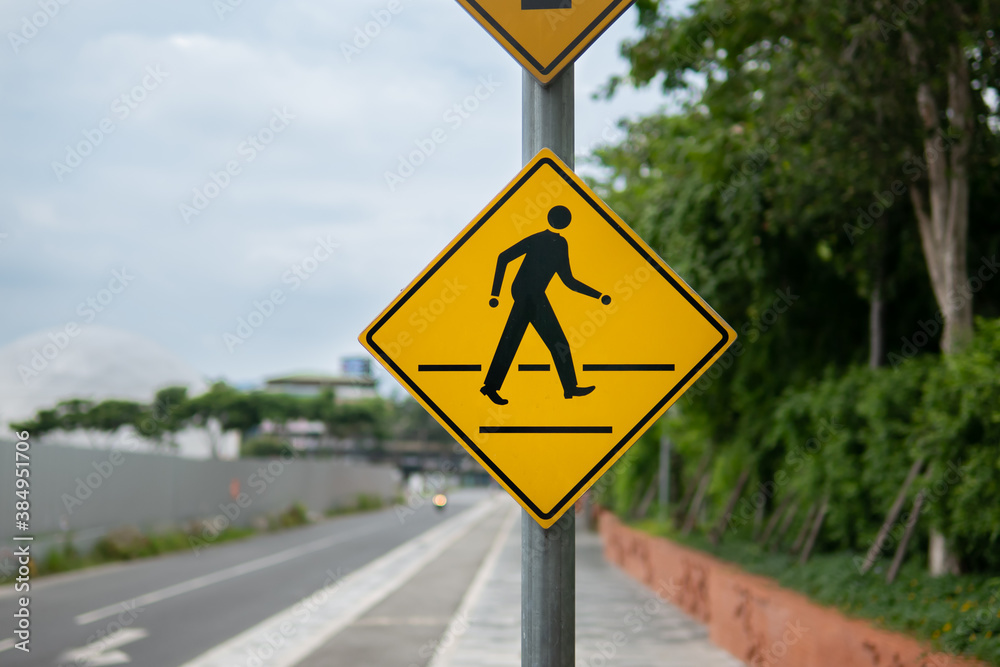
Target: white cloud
{"x":323,"y":175}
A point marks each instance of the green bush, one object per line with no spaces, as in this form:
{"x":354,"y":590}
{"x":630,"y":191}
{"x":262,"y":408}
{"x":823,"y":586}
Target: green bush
{"x":266,"y":446}
{"x":63,"y":558}
{"x":853,"y":437}
{"x":125,"y":543}
{"x":369,"y":501}
{"x":296,"y":515}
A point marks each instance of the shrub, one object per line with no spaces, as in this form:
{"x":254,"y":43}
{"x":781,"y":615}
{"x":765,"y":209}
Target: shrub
{"x":123,"y":543}
{"x":296,"y":515}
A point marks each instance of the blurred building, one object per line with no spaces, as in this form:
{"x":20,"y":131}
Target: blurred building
{"x":355,"y":382}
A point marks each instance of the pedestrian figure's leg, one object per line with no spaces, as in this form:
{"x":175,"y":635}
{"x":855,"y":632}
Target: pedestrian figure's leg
{"x":510,"y":340}
{"x":548,"y":328}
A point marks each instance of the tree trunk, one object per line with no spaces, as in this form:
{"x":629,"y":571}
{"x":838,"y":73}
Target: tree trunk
{"x":876,"y":312}
{"x":699,"y":495}
{"x":944,"y":224}
{"x":785,"y":526}
{"x":642,"y":509}
{"x":689,"y":491}
{"x":814,"y":532}
{"x":897,"y":506}
{"x":734,"y":497}
{"x":775,"y":518}
{"x":797,"y":544}
{"x":911,"y":524}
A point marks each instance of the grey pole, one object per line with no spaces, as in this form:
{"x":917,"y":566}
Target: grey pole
{"x":548,"y":557}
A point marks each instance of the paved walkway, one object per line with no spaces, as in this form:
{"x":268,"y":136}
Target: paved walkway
{"x":619,"y":622}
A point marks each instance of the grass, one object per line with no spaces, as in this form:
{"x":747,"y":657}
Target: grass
{"x":956,"y":614}
{"x":129,"y":543}
{"x":364,"y":502}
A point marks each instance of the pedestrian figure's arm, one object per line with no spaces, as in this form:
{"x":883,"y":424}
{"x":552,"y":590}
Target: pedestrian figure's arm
{"x":505,"y":258}
{"x":569,"y":281}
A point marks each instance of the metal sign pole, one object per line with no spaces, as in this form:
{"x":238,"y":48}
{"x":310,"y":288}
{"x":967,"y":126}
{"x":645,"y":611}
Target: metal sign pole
{"x":548,"y":556}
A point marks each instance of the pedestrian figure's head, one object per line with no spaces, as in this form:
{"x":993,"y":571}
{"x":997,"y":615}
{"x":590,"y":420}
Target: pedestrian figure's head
{"x":559,"y":217}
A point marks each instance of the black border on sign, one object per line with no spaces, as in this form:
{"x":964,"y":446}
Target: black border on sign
{"x":638,"y":248}
{"x":584,"y":36}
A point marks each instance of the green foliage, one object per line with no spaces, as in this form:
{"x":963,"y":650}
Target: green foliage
{"x":296,"y":515}
{"x":62,"y":559}
{"x":781,"y":192}
{"x":411,"y":422}
{"x":958,"y":429}
{"x":621,"y":487}
{"x":125,"y":543}
{"x":364,"y":502}
{"x":171,"y":410}
{"x":358,"y":419}
{"x":265,"y":446}
{"x":853,"y":438}
{"x":368,"y":501}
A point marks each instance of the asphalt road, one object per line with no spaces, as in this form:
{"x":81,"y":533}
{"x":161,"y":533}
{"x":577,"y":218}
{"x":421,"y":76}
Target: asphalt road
{"x":189,"y":603}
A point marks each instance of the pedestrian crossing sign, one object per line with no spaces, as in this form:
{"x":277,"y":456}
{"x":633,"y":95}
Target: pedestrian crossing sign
{"x":545,"y":36}
{"x":547,"y":337}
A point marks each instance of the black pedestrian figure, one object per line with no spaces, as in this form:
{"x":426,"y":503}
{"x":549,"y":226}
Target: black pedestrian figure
{"x":545,"y":255}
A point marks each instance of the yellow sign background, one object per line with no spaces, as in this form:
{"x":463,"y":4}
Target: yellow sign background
{"x":443,"y":318}
{"x":545,"y":41}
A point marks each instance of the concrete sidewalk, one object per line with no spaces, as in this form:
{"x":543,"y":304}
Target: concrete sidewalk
{"x":619,"y":622}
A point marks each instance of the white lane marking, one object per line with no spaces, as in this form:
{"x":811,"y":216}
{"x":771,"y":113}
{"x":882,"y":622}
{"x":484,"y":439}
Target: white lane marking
{"x":460,"y":621}
{"x":104,"y":651}
{"x":6,"y":644}
{"x":291,"y":635}
{"x":416,"y":621}
{"x":219,"y":576}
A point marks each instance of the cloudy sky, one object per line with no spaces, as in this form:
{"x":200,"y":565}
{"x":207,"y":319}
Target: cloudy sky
{"x":171,"y":166}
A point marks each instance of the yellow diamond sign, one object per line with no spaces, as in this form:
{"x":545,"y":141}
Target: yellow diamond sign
{"x":545,"y":35}
{"x":547,"y":337}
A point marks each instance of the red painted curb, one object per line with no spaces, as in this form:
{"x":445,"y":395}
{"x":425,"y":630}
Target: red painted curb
{"x":752,"y":617}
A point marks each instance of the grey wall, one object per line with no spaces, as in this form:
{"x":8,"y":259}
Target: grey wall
{"x":93,"y":490}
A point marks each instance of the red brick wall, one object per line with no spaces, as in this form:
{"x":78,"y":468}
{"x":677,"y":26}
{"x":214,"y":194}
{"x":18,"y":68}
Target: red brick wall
{"x":753,"y":618}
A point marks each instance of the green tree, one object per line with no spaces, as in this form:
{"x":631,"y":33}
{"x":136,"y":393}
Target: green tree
{"x":822,"y":148}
